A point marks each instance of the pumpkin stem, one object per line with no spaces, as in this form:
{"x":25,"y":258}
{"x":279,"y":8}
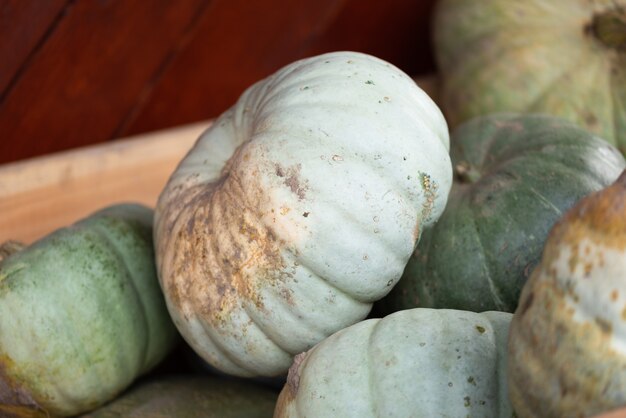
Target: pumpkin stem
{"x":610,"y":28}
{"x":466,"y":173}
{"x":10,"y":247}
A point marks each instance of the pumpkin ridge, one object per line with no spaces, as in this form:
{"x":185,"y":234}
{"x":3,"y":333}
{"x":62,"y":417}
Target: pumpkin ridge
{"x":459,"y":152}
{"x":455,"y":84}
{"x":214,"y":335}
{"x":120,"y":255}
{"x":535,"y":104}
{"x":501,"y":306}
{"x":371,"y":362}
{"x":259,"y":324}
{"x":349,"y":218}
{"x":537,"y":152}
{"x":617,"y":107}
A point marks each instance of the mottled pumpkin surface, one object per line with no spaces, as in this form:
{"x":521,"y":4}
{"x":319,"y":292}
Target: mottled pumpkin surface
{"x":298,"y":209}
{"x":515,"y":177}
{"x":562,"y":57}
{"x":567,"y":354}
{"x":414,"y":363}
{"x":81,"y":315}
{"x":189,"y":396}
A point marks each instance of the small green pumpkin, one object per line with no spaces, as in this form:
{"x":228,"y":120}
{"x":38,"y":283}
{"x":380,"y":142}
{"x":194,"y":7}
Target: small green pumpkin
{"x":413,"y":363}
{"x":567,"y":356}
{"x":562,"y":57}
{"x":515,"y":176}
{"x":191,"y":396}
{"x":81,"y":315}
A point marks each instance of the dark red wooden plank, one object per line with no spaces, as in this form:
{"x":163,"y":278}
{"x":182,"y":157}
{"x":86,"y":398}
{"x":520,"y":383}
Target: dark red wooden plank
{"x":395,"y":30}
{"x":23,"y":24}
{"x":240,"y":42}
{"x":237,"y":43}
{"x":87,"y":77}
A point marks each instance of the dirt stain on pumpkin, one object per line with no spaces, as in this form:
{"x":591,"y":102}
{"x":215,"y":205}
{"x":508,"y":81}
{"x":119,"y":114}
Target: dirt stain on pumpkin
{"x":15,"y":400}
{"x":290,"y":389}
{"x":429,"y":187}
{"x":226,"y":255}
{"x":291,"y":179}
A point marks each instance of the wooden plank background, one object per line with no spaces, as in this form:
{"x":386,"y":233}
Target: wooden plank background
{"x":75,"y":73}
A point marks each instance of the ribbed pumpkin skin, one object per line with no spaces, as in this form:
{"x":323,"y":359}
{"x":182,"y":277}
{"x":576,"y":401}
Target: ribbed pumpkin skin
{"x":298,"y":208}
{"x":191,"y":397}
{"x":414,"y":363}
{"x":81,"y":315}
{"x":534,"y":56}
{"x":516,"y":176}
{"x":567,"y":356}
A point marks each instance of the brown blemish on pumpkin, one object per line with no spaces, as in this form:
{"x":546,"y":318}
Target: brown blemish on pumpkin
{"x":480,"y":329}
{"x":527,"y":303}
{"x":293,"y":375}
{"x":587,"y":269}
{"x":527,"y":270}
{"x":614,"y":295}
{"x":9,"y":248}
{"x":604,"y":325}
{"x":292,"y":180}
{"x":430,"y":194}
{"x":591,"y":120}
{"x":573,"y":259}
{"x":416,"y":231}
{"x":15,"y":399}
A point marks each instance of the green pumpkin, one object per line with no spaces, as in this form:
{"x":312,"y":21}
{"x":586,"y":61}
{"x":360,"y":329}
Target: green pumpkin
{"x":562,"y":57}
{"x":413,"y":363}
{"x":515,"y":176}
{"x":191,"y":397}
{"x":81,"y":315}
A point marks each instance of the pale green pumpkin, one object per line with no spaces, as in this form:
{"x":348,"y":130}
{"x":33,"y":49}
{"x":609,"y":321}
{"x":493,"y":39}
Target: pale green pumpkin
{"x":81,"y":315}
{"x":562,"y":57}
{"x":413,"y":363}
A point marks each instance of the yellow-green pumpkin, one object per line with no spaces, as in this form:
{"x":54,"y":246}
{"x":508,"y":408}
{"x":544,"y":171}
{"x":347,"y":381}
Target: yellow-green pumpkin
{"x":81,"y":315}
{"x":563,"y":57}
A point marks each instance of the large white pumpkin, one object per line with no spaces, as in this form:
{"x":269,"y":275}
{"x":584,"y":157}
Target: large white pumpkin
{"x":298,"y":208}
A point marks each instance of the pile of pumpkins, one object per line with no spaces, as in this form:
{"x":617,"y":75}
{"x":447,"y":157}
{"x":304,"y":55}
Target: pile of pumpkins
{"x":492,"y":263}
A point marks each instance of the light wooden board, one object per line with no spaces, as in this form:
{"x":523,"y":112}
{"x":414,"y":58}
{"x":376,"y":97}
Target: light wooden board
{"x":45,"y":193}
{"x":42,"y":194}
